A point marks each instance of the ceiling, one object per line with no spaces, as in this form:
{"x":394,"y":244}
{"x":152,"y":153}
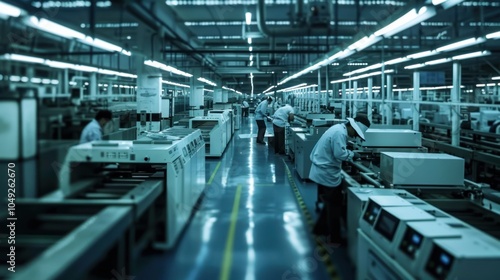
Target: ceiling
{"x":210,"y":38}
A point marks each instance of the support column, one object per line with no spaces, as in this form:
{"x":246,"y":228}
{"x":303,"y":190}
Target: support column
{"x":344,"y":100}
{"x":148,"y":98}
{"x":370,"y":102}
{"x":93,"y":86}
{"x":455,"y":109}
{"x":416,"y":99}
{"x":354,"y":107}
{"x":390,"y":97}
{"x":318,"y":94}
{"x":196,"y":95}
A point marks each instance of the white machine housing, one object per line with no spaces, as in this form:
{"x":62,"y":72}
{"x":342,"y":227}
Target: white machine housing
{"x":213,"y":129}
{"x":227,"y":117}
{"x":468,"y":257}
{"x":417,"y":239}
{"x":184,"y":161}
{"x":373,"y":208}
{"x":421,"y":169}
{"x":356,"y":201}
{"x":376,"y":137}
{"x":389,"y":226}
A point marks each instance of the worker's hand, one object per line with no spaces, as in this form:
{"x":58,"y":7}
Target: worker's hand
{"x":356,"y":156}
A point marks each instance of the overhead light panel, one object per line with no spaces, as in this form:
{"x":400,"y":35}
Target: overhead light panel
{"x":248,"y":18}
{"x":496,"y":78}
{"x":421,"y":54}
{"x":249,"y":40}
{"x":396,"y":61}
{"x":23,"y":58}
{"x":364,"y":42}
{"x":471,"y":55}
{"x":446,"y":3}
{"x":250,"y":49}
{"x":201,"y":79}
{"x":437,"y":61}
{"x":167,"y":68}
{"x":461,"y":44}
{"x":174,"y":84}
{"x":494,"y":35}
{"x":406,"y":21}
{"x":9,"y":10}
{"x":55,"y":28}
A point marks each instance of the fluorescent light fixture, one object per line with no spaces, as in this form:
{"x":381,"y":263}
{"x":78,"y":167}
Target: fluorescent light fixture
{"x":461,"y":44}
{"x":9,"y":10}
{"x":437,"y":61}
{"x":58,"y":64}
{"x":446,"y":3}
{"x":364,"y":42}
{"x":362,"y":76}
{"x":396,"y":60}
{"x":415,"y":66}
{"x":361,"y":70}
{"x":496,"y":78}
{"x":471,"y":55}
{"x":84,"y":68}
{"x":494,"y":35}
{"x":23,"y":58}
{"x":292,"y":87}
{"x":201,"y":79}
{"x":340,"y":55}
{"x":65,"y":32}
{"x":248,"y":18}
{"x":167,"y":68}
{"x":56,"y":29}
{"x":271,"y":87}
{"x":251,"y":63}
{"x":421,"y":54}
{"x":209,"y":90}
{"x":406,"y":21}
{"x":249,"y":40}
{"x":250,"y":49}
{"x":251,"y":57}
{"x":174,"y":84}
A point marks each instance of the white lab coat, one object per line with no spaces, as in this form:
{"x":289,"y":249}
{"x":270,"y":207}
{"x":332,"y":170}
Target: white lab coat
{"x":261,"y":110}
{"x":281,"y":115}
{"x":327,"y":156}
{"x":91,"y":132}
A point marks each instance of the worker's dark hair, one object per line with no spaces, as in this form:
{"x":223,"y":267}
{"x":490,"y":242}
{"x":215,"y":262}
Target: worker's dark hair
{"x":104,"y":114}
{"x":269,"y":100}
{"x":363,"y":120}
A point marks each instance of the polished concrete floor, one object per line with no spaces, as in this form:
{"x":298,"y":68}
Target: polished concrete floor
{"x":252,"y":223}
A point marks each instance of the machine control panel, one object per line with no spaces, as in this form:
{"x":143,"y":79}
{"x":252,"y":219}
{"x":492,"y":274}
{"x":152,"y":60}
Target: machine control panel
{"x":411,"y":242}
{"x":439,"y":263}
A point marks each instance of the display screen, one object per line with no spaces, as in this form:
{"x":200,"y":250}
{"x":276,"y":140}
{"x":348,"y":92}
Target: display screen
{"x":439,"y":263}
{"x":371,"y":212}
{"x":411,"y":242}
{"x":387,"y":225}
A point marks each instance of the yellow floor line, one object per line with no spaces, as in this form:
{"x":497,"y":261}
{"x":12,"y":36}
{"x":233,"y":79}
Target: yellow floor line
{"x":325,"y":257}
{"x":213,"y":173}
{"x":228,"y":252}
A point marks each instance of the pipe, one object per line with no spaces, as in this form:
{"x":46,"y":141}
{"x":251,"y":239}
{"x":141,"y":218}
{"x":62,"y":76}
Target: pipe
{"x":374,"y":182}
{"x":284,"y":31}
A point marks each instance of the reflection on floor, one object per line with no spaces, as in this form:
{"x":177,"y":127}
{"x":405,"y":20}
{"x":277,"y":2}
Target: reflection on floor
{"x":249,"y":224}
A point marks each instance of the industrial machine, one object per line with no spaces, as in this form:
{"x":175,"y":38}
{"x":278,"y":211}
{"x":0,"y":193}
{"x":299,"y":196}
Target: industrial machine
{"x":305,"y":142}
{"x":176,"y":165}
{"x":62,"y":241}
{"x":214,"y":131}
{"x":409,"y":242}
{"x":421,"y":170}
{"x":227,"y":114}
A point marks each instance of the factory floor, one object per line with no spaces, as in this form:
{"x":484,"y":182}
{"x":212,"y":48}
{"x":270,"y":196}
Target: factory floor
{"x":254,"y":222}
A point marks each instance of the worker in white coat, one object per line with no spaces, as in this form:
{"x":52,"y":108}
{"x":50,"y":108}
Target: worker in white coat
{"x":93,"y":130}
{"x":281,"y":119}
{"x":327,"y":157}
{"x":260,"y":117}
